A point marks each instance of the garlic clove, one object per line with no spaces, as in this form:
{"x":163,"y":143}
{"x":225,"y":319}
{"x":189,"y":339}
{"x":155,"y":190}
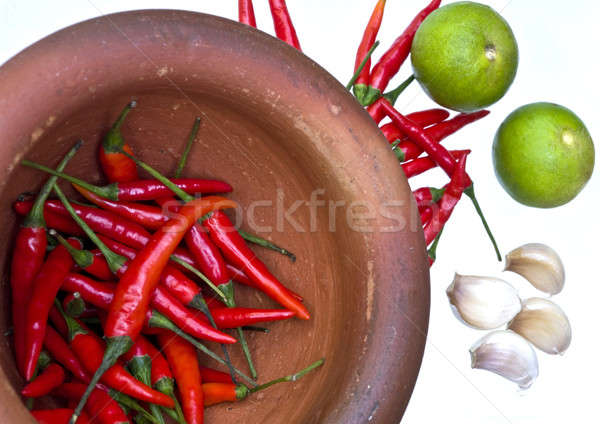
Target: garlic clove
{"x":544,"y":324}
{"x":484,"y":303}
{"x":507,"y":354}
{"x":540,"y":265}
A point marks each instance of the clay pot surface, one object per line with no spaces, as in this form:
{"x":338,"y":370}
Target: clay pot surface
{"x":277,"y":127}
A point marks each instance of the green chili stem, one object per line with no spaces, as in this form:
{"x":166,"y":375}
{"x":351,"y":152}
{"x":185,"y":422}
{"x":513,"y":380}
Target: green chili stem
{"x":115,"y":261}
{"x":113,"y":142}
{"x":76,"y":307}
{"x":82,"y":258}
{"x":110,"y":191}
{"x":188,"y":147}
{"x":361,"y":66}
{"x":141,"y":368}
{"x":129,"y":403}
{"x":392,"y":96}
{"x":200,"y":275}
{"x":266,"y":243}
{"x":288,"y":378}
{"x":35,"y":217}
{"x":160,"y":321}
{"x":432,"y":251}
{"x":470,"y":191}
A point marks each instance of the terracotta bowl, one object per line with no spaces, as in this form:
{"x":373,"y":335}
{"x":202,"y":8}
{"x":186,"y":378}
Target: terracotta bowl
{"x":283,"y":132}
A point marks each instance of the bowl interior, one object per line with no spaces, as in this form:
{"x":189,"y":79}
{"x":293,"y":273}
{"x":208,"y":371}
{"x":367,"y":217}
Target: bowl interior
{"x":292,"y":144}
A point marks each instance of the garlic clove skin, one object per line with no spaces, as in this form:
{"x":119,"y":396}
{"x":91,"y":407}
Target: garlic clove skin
{"x":507,"y":354}
{"x":544,"y":324}
{"x":483,"y":303}
{"x":540,"y":265}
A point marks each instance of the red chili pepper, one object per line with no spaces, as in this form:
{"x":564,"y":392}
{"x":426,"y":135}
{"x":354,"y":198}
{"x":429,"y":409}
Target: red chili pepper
{"x":239,"y":276}
{"x":224,"y":235}
{"x":368,"y":39}
{"x":422,"y":118}
{"x":437,"y":132}
{"x":427,"y":196}
{"x":60,"y":351}
{"x":141,"y":189}
{"x":116,"y":166}
{"x":100,"y":221}
{"x":283,"y":23}
{"x":100,"y":405}
{"x":28,"y":256}
{"x":150,"y":217}
{"x":58,"y":416}
{"x":390,"y":62}
{"x":59,"y":323}
{"x":44,"y":290}
{"x":184,"y":364}
{"x":178,"y":284}
{"x":133,"y":293}
{"x":240,"y":317}
{"x":426,"y":214}
{"x":210,"y":375}
{"x":246,"y":13}
{"x":102,"y":294}
{"x":89,"y":348}
{"x":417,"y":166}
{"x":449,"y":200}
{"x":53,"y":376}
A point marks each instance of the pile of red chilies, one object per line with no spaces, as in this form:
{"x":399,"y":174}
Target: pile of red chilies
{"x":411,"y":135}
{"x":114,"y":331}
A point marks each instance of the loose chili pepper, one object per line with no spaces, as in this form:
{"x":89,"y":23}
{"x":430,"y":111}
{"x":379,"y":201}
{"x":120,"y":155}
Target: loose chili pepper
{"x":184,"y":365}
{"x":100,"y":405}
{"x":427,"y":196}
{"x":438,"y":153}
{"x":89,"y":348}
{"x":432,"y":251}
{"x":53,"y":376}
{"x":426,"y":214}
{"x":437,"y":132}
{"x":44,"y":290}
{"x":133,"y":293}
{"x":141,"y":189}
{"x":423,"y":118}
{"x":28,"y":257}
{"x":223,"y":234}
{"x":57,"y":416}
{"x":284,"y":29}
{"x":449,"y":200}
{"x":117,"y":167}
{"x":150,"y":217}
{"x":102,"y":295}
{"x":417,"y":166}
{"x":246,"y":13}
{"x":215,"y":393}
{"x":368,"y":39}
{"x":60,"y":351}
{"x":210,"y":375}
{"x":390,"y":62}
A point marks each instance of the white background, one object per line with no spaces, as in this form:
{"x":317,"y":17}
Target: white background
{"x":559,"y":42}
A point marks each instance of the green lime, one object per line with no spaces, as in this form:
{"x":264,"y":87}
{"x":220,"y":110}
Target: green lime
{"x":465,"y":56}
{"x":543,"y":155}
